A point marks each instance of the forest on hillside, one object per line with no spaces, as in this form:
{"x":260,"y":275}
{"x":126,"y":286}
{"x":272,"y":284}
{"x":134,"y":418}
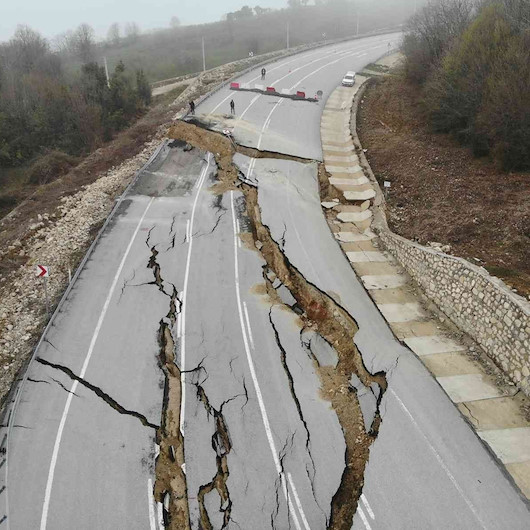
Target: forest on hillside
{"x":46,"y":113}
{"x":177,"y":50}
{"x":472,"y":61}
{"x":58,"y":104}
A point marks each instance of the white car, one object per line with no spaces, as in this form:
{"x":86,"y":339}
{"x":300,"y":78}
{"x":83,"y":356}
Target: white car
{"x":349,"y":79}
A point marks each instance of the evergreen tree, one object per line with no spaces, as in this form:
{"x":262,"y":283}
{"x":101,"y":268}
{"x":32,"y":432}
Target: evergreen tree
{"x":143,"y":88}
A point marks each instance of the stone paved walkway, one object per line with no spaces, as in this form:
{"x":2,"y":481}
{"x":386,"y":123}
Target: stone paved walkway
{"x":491,"y":408}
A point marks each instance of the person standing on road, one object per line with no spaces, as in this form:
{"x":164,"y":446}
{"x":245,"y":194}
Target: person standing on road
{"x":232,"y":107}
{"x":263,"y":73}
{"x":192,"y":107}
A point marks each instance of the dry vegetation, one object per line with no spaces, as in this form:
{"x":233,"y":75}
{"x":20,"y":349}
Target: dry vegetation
{"x":440,"y":191}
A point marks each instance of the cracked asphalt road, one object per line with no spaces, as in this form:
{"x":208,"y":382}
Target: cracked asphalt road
{"x":263,"y":446}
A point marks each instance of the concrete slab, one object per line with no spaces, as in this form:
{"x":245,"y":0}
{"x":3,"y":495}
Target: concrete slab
{"x":359,"y":195}
{"x":510,"y":445}
{"x":351,"y":227}
{"x":398,"y":295}
{"x":336,"y":149}
{"x":357,"y":246}
{"x":338,"y":159}
{"x":336,"y":137}
{"x":403,"y":330}
{"x":385,"y":269}
{"x":345,"y":184}
{"x":520,"y":472}
{"x":335,"y":123}
{"x":349,"y":237}
{"x":402,"y":312}
{"x":354,"y":217}
{"x":383,"y":281}
{"x":343,"y":169}
{"x":447,"y":364}
{"x":361,"y":256}
{"x":344,"y":175}
{"x":342,"y":143}
{"x":469,"y":387}
{"x":433,"y":344}
{"x":489,"y":414}
{"x":364,"y":225}
{"x":341,"y":161}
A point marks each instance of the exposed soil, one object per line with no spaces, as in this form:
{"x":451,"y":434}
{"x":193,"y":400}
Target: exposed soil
{"x":440,"y":192}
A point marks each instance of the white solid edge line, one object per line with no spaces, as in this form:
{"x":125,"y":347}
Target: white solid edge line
{"x":364,"y":519}
{"x":160,"y":512}
{"x":202,"y":178}
{"x":440,"y":461}
{"x":150,"y":501}
{"x":179,"y":326}
{"x":367,"y":506}
{"x":298,"y":503}
{"x":248,"y":326}
{"x":252,"y":369}
{"x":55,"y":454}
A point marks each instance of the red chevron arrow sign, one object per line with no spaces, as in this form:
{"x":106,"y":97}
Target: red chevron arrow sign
{"x":43,"y":271}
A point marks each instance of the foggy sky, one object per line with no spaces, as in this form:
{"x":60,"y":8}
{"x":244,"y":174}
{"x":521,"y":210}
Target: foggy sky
{"x":51,"y":17}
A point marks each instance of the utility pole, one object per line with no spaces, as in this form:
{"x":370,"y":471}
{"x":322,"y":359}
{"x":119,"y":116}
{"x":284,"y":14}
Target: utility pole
{"x":288,"y":44}
{"x":203,"y":57}
{"x":357,"y":20}
{"x":107,"y":71}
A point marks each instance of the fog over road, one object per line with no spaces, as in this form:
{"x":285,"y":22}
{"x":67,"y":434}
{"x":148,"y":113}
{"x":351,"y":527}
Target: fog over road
{"x":266,"y":433}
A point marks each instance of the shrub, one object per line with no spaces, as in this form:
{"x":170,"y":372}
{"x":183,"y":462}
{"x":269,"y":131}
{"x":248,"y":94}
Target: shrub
{"x":454,"y":92}
{"x":430,"y":33}
{"x":50,"y":167}
{"x":504,"y":117}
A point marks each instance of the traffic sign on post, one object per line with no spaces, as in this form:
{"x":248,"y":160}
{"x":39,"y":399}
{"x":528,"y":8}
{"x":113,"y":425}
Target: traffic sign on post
{"x":43,"y":271}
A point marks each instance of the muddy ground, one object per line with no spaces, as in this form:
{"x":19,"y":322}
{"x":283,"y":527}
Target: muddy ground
{"x":440,"y":192}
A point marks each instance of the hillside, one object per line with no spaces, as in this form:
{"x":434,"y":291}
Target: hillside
{"x":177,"y":51}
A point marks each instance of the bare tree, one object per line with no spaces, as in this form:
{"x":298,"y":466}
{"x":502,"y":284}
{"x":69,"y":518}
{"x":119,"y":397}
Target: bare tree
{"x":28,"y":47}
{"x":132,"y":31}
{"x":175,"y":22}
{"x":113,"y":35}
{"x":84,"y":42}
{"x":62,"y":43}
{"x":431,"y":31}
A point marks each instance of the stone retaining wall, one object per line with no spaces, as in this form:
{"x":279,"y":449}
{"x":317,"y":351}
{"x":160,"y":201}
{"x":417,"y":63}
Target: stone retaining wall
{"x":479,"y":304}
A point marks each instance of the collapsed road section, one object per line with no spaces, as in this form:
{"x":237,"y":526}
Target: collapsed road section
{"x":324,"y":330}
